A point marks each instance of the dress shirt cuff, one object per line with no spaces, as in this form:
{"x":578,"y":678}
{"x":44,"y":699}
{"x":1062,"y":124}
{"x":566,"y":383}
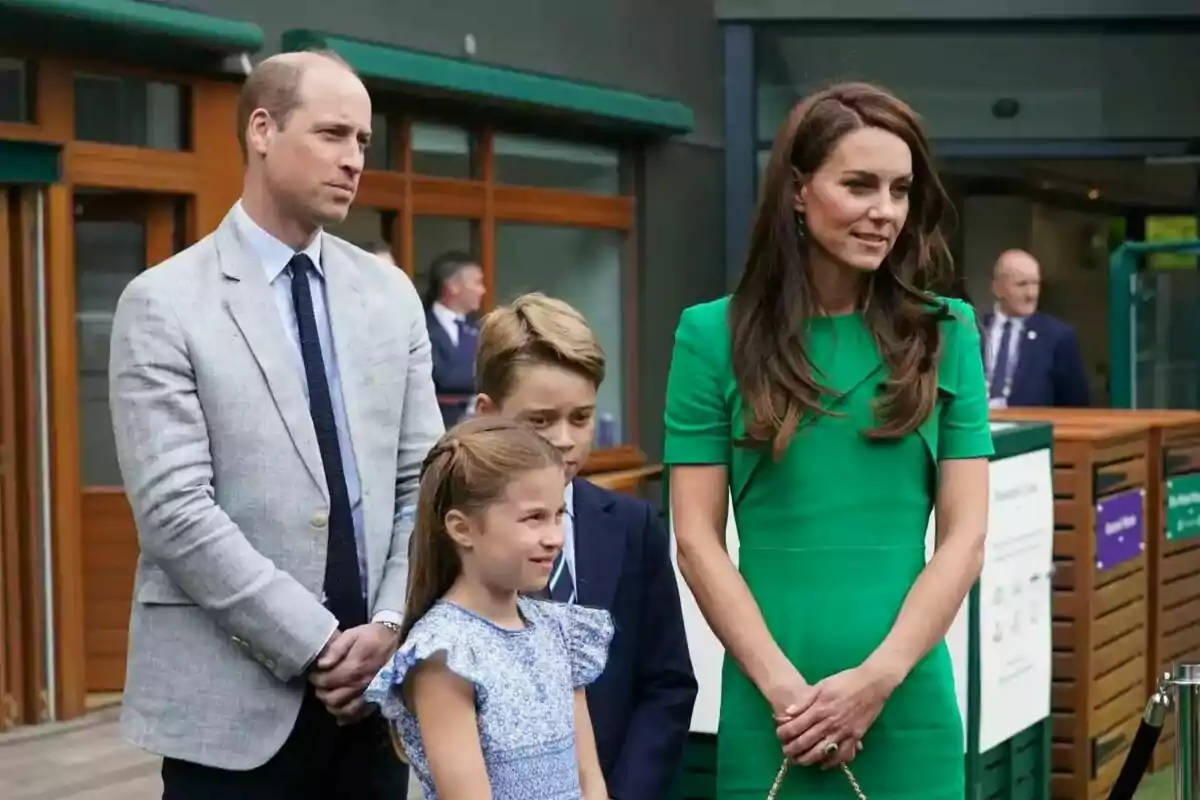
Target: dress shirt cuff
{"x":394,"y":617}
{"x":328,"y":639}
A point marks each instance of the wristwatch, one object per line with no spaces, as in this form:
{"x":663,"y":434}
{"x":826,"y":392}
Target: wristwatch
{"x":391,"y":626}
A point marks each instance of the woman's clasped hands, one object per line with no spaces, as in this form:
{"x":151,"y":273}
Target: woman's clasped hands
{"x":825,"y":723}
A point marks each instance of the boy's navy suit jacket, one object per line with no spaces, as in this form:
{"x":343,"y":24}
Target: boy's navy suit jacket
{"x":641,"y":706}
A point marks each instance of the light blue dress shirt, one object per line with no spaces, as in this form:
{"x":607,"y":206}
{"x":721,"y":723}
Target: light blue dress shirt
{"x":569,"y":534}
{"x":274,"y":256}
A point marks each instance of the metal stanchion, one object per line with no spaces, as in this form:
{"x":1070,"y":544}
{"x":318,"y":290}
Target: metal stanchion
{"x":1137,"y":761}
{"x":1180,"y":689}
{"x":1186,"y":684}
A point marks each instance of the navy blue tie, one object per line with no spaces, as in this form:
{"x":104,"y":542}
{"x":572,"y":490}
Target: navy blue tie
{"x":1000,"y":376}
{"x":466,"y":338}
{"x":343,"y":584}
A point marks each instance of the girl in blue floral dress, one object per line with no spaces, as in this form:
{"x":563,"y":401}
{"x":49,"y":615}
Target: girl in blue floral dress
{"x":486,"y":692}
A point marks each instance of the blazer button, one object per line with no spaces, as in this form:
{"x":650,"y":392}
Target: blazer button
{"x":319,"y":520}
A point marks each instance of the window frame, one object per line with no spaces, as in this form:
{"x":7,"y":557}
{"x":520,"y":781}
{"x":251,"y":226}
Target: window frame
{"x":486,"y":202}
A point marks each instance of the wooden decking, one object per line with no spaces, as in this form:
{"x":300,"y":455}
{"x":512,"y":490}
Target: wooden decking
{"x":85,"y":760}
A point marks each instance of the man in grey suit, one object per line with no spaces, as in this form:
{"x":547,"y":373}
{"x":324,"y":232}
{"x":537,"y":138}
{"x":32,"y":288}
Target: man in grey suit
{"x":272,"y":400}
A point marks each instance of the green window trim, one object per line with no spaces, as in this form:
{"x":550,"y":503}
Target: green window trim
{"x":130,"y":18}
{"x":29,"y":162}
{"x":1122,"y":301}
{"x":612,"y":108}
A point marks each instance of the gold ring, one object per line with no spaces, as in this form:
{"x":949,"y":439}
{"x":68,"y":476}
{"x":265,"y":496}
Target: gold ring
{"x":831,"y":748}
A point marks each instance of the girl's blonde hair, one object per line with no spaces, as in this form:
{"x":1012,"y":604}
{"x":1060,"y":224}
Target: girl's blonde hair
{"x":469,"y":468}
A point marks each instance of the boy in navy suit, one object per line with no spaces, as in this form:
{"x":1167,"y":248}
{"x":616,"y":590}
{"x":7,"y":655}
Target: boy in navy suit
{"x":539,"y":361}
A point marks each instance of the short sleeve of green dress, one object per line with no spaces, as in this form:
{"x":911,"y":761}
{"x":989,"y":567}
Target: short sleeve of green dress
{"x":831,"y":539}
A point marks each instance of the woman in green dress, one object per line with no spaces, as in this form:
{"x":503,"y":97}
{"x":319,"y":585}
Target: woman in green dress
{"x":838,"y":402}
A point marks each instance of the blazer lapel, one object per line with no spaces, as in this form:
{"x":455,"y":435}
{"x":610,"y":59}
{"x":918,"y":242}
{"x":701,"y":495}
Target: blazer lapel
{"x":599,"y":546}
{"x":349,"y":322}
{"x":437,"y":334}
{"x":252,"y":306}
{"x":1027,"y":347}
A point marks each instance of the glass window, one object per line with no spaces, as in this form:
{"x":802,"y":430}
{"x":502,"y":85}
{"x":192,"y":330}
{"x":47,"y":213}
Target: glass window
{"x":115,"y":234}
{"x":369,"y":228}
{"x":131,"y":111}
{"x":433,"y":236}
{"x":17,"y":90}
{"x":379,"y":154}
{"x":442,"y":150}
{"x":108,"y":254}
{"x":581,"y":266}
{"x":549,"y":164}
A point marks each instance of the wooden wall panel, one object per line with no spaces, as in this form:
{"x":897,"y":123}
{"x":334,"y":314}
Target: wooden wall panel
{"x":109,"y":561}
{"x":69,"y":618}
{"x":29,"y":467}
{"x":553,"y":207}
{"x":117,"y":167}
{"x":215,"y":145}
{"x":12,"y":656}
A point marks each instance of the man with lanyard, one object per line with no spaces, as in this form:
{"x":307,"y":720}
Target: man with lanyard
{"x":1031,"y":358}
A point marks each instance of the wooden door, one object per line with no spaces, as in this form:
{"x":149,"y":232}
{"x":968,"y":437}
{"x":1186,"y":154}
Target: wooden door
{"x":117,"y":235}
{"x":12,"y":660}
{"x":23,"y":696}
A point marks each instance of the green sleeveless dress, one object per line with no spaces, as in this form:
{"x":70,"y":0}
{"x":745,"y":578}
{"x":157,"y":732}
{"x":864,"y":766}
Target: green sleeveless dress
{"x":831,"y":539}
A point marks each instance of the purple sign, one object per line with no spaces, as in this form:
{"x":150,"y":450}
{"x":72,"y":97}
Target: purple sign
{"x":1120,"y":528}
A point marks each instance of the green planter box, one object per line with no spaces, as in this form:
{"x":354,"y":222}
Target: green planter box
{"x":1007,"y":742}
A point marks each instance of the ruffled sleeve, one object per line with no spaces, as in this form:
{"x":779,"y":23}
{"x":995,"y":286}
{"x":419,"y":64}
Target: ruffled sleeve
{"x":422,"y":645}
{"x":587,"y":633}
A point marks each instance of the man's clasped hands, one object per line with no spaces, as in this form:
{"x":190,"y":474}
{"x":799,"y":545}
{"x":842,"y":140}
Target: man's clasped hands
{"x":350,"y":660}
{"x":824,"y":723}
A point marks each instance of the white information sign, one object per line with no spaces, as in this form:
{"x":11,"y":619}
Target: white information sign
{"x":1014,"y":598}
{"x":708,"y":655}
{"x":958,"y":640}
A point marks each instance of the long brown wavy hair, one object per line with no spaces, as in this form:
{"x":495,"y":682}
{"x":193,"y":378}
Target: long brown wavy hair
{"x":775,"y":297}
{"x":469,"y":468}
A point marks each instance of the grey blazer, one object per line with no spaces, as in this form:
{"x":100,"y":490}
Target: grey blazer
{"x":221,"y":466}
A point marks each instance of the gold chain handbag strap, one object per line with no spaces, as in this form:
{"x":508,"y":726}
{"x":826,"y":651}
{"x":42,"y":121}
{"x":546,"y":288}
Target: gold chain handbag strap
{"x":783,"y":768}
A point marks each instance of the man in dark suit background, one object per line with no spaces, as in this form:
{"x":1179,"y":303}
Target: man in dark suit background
{"x":454,"y":295}
{"x":540,"y":362}
{"x":1032,"y":358}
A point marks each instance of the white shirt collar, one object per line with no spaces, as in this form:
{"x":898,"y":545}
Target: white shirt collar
{"x":569,"y":499}
{"x":273,"y":254}
{"x":445,"y":316}
{"x":1001,"y":317}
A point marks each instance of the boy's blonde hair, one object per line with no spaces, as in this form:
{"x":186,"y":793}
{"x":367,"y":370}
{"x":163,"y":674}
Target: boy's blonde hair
{"x":531,"y":330}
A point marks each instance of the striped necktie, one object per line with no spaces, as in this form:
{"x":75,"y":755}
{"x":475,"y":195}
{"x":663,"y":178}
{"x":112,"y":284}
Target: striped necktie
{"x":562,"y":582}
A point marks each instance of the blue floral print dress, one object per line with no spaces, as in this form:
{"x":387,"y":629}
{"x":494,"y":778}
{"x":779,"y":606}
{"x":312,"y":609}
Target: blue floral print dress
{"x":524,"y":683}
